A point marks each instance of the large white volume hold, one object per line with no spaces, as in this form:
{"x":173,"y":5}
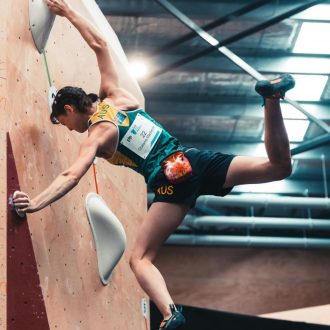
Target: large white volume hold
{"x":109,"y":235}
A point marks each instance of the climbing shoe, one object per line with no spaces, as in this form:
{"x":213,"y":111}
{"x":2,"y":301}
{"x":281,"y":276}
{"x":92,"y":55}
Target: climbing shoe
{"x":175,"y":321}
{"x":275,"y":88}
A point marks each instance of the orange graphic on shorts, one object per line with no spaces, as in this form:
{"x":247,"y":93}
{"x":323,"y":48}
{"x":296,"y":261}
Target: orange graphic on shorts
{"x":177,"y":167}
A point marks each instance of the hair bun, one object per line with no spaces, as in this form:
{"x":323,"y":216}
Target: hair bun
{"x":93,"y":97}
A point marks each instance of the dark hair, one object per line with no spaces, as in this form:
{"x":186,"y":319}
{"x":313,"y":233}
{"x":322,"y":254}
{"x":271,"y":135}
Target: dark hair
{"x":72,"y":96}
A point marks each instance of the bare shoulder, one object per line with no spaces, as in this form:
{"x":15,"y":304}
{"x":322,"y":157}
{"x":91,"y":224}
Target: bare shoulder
{"x":122,"y":99}
{"x":105,"y":136}
{"x":101,"y":129}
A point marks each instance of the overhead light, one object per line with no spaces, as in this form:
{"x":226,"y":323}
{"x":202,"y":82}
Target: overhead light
{"x":296,"y":129}
{"x":313,"y":38}
{"x":308,"y":87}
{"x":138,"y":68}
{"x":317,"y":13}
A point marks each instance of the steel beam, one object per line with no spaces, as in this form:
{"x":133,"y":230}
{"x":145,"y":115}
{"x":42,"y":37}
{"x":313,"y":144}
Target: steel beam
{"x":255,"y":200}
{"x":200,"y":222}
{"x":311,"y":144}
{"x":220,"y":21}
{"x":236,"y":59}
{"x":237,"y":106}
{"x":194,"y":8}
{"x":227,"y":41}
{"x":270,"y":64}
{"x":264,"y":201}
{"x":248,"y":241}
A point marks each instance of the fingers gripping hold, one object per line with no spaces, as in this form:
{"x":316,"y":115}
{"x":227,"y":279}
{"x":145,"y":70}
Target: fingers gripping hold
{"x":20,"y":202}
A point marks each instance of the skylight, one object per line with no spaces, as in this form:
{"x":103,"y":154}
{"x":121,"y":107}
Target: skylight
{"x":318,"y":13}
{"x":290,"y":112}
{"x":313,"y":38}
{"x":296,"y":129}
{"x":308,"y":87}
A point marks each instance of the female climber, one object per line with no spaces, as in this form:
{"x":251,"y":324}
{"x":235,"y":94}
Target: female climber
{"x":122,"y":133}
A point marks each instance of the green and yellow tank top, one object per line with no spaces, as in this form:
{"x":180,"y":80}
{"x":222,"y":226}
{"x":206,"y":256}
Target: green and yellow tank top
{"x":142,"y":142}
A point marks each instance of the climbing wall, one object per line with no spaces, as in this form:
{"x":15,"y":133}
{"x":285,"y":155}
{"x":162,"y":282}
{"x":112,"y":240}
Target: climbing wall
{"x":3,"y":171}
{"x":246,"y":280}
{"x":48,"y":267}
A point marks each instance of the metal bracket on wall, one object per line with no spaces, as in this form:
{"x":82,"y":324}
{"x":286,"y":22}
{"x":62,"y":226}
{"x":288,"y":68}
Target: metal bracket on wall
{"x":41,"y":23}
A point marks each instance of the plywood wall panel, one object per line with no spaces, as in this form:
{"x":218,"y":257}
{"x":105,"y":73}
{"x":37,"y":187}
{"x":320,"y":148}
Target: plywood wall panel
{"x":62,"y":240}
{"x":243,"y":280}
{"x":3,"y":170}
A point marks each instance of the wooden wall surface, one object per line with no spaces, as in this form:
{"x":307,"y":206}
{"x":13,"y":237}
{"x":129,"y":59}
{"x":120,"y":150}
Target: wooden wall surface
{"x":62,"y":240}
{"x":3,"y":166}
{"x":243,"y":280}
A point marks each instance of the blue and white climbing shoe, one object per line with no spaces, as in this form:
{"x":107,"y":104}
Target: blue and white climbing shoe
{"x":275,"y":88}
{"x":175,"y":321}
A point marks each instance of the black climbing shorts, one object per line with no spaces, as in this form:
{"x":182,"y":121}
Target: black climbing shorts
{"x":209,"y":171}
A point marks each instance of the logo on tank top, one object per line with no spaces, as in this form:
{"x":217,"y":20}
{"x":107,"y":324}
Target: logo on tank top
{"x":120,"y":118}
{"x":107,"y":112}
